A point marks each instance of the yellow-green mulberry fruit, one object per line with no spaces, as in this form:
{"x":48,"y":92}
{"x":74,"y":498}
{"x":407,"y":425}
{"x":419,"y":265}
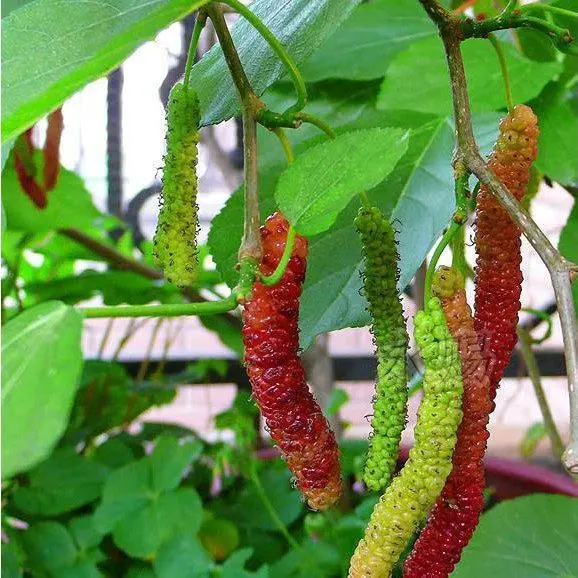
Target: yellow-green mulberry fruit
{"x":414,"y":490}
{"x":380,"y":277}
{"x":175,"y":241}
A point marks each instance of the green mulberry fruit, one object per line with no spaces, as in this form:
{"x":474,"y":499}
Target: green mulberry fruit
{"x":175,"y":241}
{"x":390,"y":337}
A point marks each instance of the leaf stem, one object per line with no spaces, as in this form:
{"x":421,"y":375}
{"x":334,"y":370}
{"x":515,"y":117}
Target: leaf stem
{"x":534,"y":374}
{"x":278,"y":48}
{"x":319,"y":123}
{"x":549,"y":8}
{"x":452,"y":31}
{"x":458,"y":220}
{"x":285,"y":144}
{"x":273,"y":514}
{"x":276,"y":276}
{"x":200,"y":21}
{"x":504,"y":68}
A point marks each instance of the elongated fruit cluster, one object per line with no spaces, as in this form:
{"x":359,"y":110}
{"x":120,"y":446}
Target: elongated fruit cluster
{"x":175,"y":244}
{"x":270,"y":334}
{"x":457,"y":510}
{"x":498,"y":276}
{"x":414,"y":490}
{"x":390,"y":337}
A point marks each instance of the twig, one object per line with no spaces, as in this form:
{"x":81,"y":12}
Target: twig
{"x":251,"y":243}
{"x":561,"y":271}
{"x":273,"y":514}
{"x":109,"y":253}
{"x":534,"y":374}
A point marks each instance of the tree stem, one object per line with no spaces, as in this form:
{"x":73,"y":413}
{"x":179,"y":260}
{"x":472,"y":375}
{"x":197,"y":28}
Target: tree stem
{"x":451,"y":32}
{"x":251,"y":243}
{"x":278,"y":48}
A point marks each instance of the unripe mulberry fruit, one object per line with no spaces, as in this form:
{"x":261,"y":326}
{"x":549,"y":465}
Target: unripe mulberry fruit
{"x":175,"y":241}
{"x":408,"y":498}
{"x":456,"y":513}
{"x":380,"y":277}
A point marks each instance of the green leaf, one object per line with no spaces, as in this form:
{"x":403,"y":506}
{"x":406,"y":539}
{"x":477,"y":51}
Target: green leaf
{"x":315,"y":560}
{"x":313,"y":190}
{"x":368,"y":41}
{"x":558,"y":124}
{"x":418,"y":78}
{"x":114,"y":454}
{"x":184,"y":557}
{"x":229,"y":332}
{"x":84,"y":532}
{"x":126,"y":491}
{"x":568,"y":244}
{"x":219,"y":537}
{"x":338,"y":102}
{"x":10,"y":5}
{"x":41,"y":363}
{"x":138,"y":510}
{"x":285,"y":500}
{"x":300,"y":25}
{"x":234,"y":567}
{"x":69,"y":204}
{"x":116,"y":287}
{"x":52,"y":48}
{"x":108,"y":397}
{"x":10,"y":561}
{"x":533,"y":536}
{"x":140,"y":572}
{"x":338,"y":398}
{"x":170,"y":459}
{"x":49,"y":545}
{"x":533,"y":436}
{"x":418,"y":192}
{"x":144,"y":532}
{"x":64,"y":482}
{"x":417,"y":196}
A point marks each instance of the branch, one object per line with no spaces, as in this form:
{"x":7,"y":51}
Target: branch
{"x":251,"y":243}
{"x":561,"y":271}
{"x":111,"y":255}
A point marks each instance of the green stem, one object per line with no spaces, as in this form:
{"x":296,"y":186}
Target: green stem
{"x":548,"y":8}
{"x":534,"y":374}
{"x":164,"y":310}
{"x":321,"y":124}
{"x":365,"y":200}
{"x":547,"y":318}
{"x":276,"y":276}
{"x":504,"y":68}
{"x":199,"y":25}
{"x":447,"y":237}
{"x":415,"y":385}
{"x":470,"y":28}
{"x":458,"y":221}
{"x":271,"y":510}
{"x":278,"y":48}
{"x":459,"y":261}
{"x":285,"y":144}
